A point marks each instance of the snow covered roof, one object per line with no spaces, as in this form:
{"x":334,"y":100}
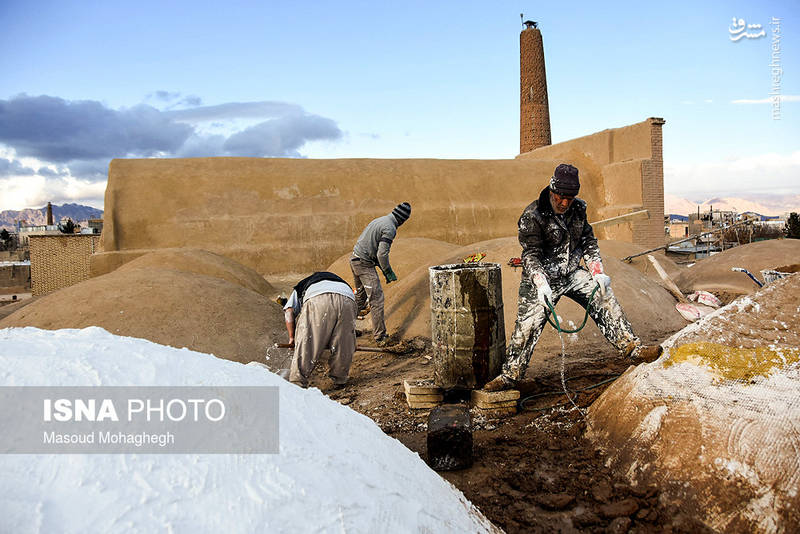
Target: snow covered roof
{"x":336,"y":470}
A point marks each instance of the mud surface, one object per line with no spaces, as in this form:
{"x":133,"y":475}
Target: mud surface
{"x":716,"y":416}
{"x":191,"y":299}
{"x":533,"y":472}
{"x":768,"y":317}
{"x":714,"y":274}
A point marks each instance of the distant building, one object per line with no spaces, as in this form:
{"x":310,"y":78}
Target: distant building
{"x":26,"y":231}
{"x":91,"y":226}
{"x":775,"y":223}
{"x":678,"y":230}
{"x":15,"y":278}
{"x":687,"y":251}
{"x":96,"y":225}
{"x":676,"y":226}
{"x":60,"y":260}
{"x":753,"y":216}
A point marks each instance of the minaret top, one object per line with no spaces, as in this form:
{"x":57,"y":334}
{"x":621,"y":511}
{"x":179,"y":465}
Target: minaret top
{"x":530,"y":24}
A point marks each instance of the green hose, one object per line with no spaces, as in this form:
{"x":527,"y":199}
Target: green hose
{"x":557,"y":325}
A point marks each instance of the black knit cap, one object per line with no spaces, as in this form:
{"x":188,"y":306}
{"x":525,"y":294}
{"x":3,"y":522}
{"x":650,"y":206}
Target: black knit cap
{"x":402,"y":212}
{"x":565,"y":181}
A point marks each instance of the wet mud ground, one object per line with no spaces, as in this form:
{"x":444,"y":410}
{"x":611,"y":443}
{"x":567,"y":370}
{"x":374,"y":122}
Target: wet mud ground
{"x":532,"y":472}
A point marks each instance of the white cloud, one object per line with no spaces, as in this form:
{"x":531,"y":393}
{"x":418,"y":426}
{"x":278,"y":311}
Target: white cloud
{"x":19,"y":192}
{"x":765,"y":173}
{"x":58,"y":150}
{"x":235,"y":110}
{"x":768,"y":100}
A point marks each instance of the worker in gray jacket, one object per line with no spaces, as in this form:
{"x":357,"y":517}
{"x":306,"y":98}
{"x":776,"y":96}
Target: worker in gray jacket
{"x":372,"y":250}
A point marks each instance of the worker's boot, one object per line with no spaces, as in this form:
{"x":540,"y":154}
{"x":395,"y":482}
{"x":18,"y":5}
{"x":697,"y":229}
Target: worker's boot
{"x":501,"y":383}
{"x":646,"y":353}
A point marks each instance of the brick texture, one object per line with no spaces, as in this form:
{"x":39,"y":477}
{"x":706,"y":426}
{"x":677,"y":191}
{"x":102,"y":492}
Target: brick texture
{"x":534,"y":109}
{"x":650,"y":232}
{"x":60,"y":260}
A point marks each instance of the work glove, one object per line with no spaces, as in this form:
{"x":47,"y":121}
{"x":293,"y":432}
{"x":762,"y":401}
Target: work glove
{"x":390,"y":276}
{"x":602,"y":280}
{"x":543,"y":290}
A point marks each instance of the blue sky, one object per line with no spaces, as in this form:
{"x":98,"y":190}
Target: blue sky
{"x":85,"y":82}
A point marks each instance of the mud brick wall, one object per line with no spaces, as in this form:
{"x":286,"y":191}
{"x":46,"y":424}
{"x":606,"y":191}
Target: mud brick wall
{"x":629,"y":167}
{"x":283,"y":215}
{"x":534,"y":108}
{"x":15,"y":278}
{"x":60,"y":260}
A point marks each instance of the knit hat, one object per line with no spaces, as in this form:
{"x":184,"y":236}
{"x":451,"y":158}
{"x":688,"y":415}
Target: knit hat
{"x":402,"y":212}
{"x":565,"y":181}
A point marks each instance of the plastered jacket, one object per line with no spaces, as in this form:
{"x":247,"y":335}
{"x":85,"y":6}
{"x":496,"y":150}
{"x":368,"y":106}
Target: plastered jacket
{"x":553,"y":246}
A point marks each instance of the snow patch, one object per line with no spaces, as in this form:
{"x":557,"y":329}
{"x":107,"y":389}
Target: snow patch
{"x":336,"y":470}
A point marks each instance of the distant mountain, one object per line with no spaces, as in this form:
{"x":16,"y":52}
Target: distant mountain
{"x":76,"y":212}
{"x":678,"y":206}
{"x":763,"y":204}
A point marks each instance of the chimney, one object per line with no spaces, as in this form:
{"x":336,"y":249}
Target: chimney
{"x":49,"y":214}
{"x":534,"y":110}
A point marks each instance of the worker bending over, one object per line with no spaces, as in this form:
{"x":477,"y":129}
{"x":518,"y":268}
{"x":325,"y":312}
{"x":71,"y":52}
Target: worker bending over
{"x":321,"y":314}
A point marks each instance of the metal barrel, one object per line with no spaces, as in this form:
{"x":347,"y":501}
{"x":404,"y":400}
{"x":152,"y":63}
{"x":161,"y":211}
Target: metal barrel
{"x":467,"y":326}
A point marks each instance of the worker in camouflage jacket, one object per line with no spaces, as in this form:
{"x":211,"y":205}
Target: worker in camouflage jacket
{"x":555,"y":235}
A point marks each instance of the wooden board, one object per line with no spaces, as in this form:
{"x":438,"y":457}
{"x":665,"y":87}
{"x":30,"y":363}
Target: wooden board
{"x":421,"y":405}
{"x":493,"y":405}
{"x":479,"y":395}
{"x":496,"y":412}
{"x":421,"y":387}
{"x":411,"y":397}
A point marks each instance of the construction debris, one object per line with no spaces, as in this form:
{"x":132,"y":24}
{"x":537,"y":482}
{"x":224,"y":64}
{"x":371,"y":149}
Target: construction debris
{"x":706,"y":298}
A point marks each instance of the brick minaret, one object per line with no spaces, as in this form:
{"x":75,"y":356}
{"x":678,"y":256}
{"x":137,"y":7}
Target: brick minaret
{"x":650,"y":233}
{"x":534,"y":110}
{"x":49,"y":214}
